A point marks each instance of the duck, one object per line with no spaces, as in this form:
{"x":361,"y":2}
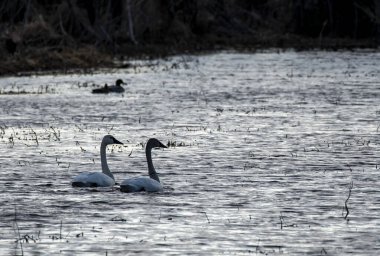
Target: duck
{"x":98,"y":179}
{"x":113,"y":88}
{"x":148,"y":184}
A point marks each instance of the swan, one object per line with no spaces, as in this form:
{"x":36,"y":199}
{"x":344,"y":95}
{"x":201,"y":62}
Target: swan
{"x":98,"y":179}
{"x":151,"y":184}
{"x":113,"y":88}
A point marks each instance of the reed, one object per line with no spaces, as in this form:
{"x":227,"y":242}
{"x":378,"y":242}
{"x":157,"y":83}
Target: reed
{"x":346,"y":201}
{"x":17,"y":229}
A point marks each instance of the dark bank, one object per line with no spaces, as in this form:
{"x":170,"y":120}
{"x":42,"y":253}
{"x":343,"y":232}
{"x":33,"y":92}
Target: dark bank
{"x":40,"y":35}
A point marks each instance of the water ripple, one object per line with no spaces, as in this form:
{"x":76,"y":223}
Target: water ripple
{"x":264,"y":149}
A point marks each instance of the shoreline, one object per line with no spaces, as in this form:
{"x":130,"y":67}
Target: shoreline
{"x":87,"y":59}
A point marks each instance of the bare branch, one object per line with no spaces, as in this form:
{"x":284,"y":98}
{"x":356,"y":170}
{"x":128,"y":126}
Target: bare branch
{"x":349,"y":195}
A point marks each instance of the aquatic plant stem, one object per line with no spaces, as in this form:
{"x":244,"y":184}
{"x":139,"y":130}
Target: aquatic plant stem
{"x":60,"y":231}
{"x":208,"y":220}
{"x":18,"y":232}
{"x":349,"y":195}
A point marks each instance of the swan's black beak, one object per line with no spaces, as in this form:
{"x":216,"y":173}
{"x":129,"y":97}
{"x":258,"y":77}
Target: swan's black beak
{"x":162,"y":145}
{"x":115,"y":141}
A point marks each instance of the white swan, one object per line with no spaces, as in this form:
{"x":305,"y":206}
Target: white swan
{"x":98,"y":179}
{"x":151,"y":184}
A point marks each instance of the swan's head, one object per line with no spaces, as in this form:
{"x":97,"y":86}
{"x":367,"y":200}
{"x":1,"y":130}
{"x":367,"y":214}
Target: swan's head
{"x":119,"y":82}
{"x":155,"y":143}
{"x":109,"y":139}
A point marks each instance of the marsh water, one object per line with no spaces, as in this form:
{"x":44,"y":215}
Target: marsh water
{"x":271,"y":153}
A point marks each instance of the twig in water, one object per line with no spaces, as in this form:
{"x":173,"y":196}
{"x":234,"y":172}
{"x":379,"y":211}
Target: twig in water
{"x":35,"y":134}
{"x":109,"y":131}
{"x":60,"y":231}
{"x":349,"y":195}
{"x":208,"y":220}
{"x":281,"y":219}
{"x":117,"y":218}
{"x":283,"y":224}
{"x":18,"y":232}
{"x":11,"y":141}
{"x":55,"y":133}
{"x":80,"y":129}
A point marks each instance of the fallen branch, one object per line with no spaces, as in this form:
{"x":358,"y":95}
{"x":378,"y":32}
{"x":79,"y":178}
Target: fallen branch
{"x":349,"y":195}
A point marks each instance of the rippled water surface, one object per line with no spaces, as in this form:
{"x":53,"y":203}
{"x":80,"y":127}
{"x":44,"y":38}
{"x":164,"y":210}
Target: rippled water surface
{"x":264,"y":149}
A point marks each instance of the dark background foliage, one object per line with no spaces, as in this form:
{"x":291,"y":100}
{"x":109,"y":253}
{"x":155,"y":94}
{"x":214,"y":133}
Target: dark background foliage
{"x":129,"y":27}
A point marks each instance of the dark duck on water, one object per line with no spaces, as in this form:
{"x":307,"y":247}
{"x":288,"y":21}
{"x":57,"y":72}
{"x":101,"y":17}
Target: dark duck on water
{"x":113,"y":88}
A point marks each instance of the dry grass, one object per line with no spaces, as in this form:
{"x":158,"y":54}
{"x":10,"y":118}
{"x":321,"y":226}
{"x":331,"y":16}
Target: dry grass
{"x":40,"y":59}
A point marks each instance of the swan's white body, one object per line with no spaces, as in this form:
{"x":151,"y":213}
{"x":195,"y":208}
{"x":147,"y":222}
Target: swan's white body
{"x":93,"y":179}
{"x":98,"y":179}
{"x":151,"y":184}
{"x":140,"y":184}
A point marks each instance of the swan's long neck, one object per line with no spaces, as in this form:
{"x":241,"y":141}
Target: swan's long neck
{"x":103,"y":160}
{"x":152,"y":171}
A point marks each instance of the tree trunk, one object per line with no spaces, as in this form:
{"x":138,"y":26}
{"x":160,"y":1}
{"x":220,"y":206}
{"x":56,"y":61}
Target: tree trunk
{"x":377,"y":20}
{"x":331,"y":18}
